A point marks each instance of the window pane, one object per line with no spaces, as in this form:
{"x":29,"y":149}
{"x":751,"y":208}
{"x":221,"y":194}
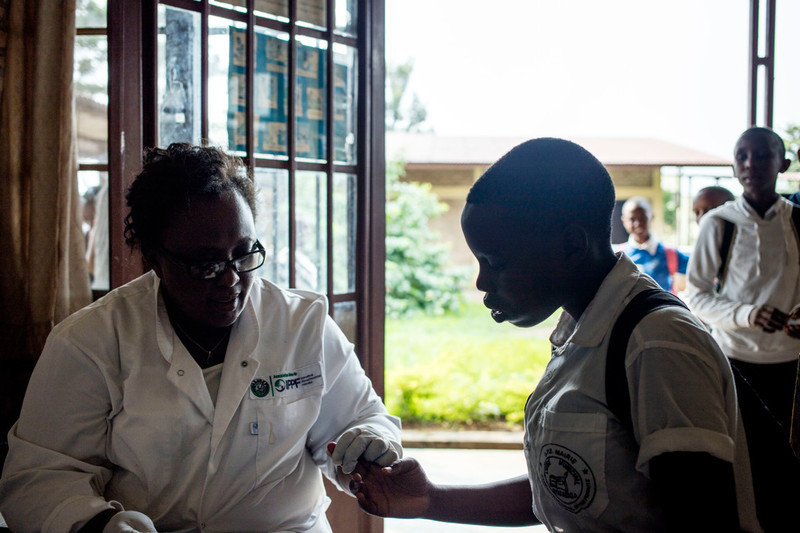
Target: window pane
{"x":90,"y":14}
{"x":278,"y":9}
{"x":272,"y":223}
{"x":310,"y":103}
{"x":787,"y":80}
{"x":346,"y":16}
{"x":271,"y":110}
{"x":90,"y":76}
{"x":227,"y":91}
{"x":178,"y":76}
{"x":311,"y":256}
{"x":344,"y":313}
{"x":344,"y":233}
{"x":238,"y":5}
{"x":312,"y":12}
{"x":93,"y":187}
{"x":345,"y":100}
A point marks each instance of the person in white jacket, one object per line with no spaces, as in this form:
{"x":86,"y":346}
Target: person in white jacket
{"x":198,"y":397}
{"x":748,"y":308}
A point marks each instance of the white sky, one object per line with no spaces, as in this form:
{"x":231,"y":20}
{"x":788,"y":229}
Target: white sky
{"x":674,"y":70}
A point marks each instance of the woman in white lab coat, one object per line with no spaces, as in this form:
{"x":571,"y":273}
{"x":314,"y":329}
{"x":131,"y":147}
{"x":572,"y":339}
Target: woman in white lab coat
{"x":198,"y":397}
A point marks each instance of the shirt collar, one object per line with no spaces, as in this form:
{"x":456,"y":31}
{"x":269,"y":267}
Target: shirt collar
{"x":592,"y":327}
{"x":651,"y":244}
{"x":164,"y":331}
{"x":780,"y":204}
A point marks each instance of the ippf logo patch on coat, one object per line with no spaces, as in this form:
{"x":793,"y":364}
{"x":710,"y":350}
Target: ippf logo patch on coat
{"x":567,"y":477}
{"x":287,"y":384}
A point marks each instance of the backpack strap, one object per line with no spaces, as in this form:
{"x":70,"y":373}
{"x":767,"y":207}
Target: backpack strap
{"x":796,"y":224}
{"x":672,"y":265}
{"x":672,"y":259}
{"x":794,"y":429}
{"x":728,"y":233}
{"x":617,"y":395}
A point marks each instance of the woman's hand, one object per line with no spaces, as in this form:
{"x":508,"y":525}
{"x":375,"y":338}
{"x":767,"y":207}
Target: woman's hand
{"x":401,"y":490}
{"x":363,"y":442}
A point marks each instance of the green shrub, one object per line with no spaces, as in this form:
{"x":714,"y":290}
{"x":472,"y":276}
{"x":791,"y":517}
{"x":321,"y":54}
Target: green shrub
{"x":462,"y":370}
{"x":419,"y":277}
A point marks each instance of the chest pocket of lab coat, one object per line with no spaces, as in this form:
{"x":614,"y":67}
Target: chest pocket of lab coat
{"x":569,"y":465}
{"x":283,"y":426}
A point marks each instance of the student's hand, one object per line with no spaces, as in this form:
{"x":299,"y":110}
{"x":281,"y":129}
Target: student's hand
{"x":401,"y":490}
{"x":792,"y":325}
{"x":768,"y":318}
{"x":363,"y":441}
{"x":130,"y":522}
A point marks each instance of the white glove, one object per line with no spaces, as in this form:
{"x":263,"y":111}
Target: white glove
{"x":363,"y":440}
{"x":130,"y":522}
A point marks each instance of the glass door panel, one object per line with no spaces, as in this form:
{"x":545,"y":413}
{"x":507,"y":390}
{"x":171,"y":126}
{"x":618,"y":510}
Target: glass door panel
{"x":227,"y":87}
{"x":344,"y":233}
{"x":310,"y":101}
{"x":311,"y":230}
{"x":345,"y":102}
{"x":272,"y":222}
{"x":179,"y":80}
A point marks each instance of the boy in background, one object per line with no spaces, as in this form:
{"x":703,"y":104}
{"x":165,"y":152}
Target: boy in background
{"x":760,"y":281}
{"x":708,"y":198}
{"x":664,"y":264}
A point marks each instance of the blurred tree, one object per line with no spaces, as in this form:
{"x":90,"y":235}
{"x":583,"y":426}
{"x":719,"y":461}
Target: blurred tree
{"x":791,"y":138}
{"x":401,"y":115}
{"x":419,"y":277}
{"x":670,"y":208}
{"x":90,"y":14}
{"x":91,"y":52}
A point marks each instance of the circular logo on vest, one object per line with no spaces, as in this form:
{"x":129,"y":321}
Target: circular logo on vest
{"x":259,"y":387}
{"x":567,"y":477}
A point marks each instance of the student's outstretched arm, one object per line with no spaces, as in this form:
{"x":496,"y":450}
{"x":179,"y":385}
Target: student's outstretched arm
{"x":402,"y":490}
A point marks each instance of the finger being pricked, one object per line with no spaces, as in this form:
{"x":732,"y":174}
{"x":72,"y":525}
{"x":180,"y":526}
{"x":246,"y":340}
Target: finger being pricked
{"x":370,"y":490}
{"x":365,"y":469}
{"x":362,"y":467}
{"x":400,"y":490}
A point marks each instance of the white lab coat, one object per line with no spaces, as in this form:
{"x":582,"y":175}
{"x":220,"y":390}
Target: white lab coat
{"x":118,"y":413}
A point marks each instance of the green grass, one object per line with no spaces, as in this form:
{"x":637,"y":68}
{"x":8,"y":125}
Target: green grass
{"x":462,"y":370}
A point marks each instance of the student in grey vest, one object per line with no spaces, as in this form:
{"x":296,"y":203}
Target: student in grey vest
{"x":747,"y":302}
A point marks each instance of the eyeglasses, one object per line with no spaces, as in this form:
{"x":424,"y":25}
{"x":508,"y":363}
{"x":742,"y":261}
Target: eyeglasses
{"x":202,"y":270}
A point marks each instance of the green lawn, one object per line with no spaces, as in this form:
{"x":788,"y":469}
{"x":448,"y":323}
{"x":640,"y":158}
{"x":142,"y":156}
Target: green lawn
{"x":462,"y":370}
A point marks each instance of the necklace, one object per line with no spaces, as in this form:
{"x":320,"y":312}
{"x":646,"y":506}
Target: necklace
{"x":208,"y":352}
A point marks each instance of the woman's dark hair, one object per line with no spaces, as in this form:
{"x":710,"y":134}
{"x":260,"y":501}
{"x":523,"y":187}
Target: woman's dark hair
{"x":170,"y":179}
